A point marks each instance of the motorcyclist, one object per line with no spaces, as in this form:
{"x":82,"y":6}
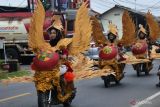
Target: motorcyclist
{"x":108,"y":54}
{"x":141,"y":50}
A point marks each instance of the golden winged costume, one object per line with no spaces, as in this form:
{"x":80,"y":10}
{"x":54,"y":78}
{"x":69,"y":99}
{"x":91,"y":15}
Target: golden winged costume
{"x":128,"y":39}
{"x":47,"y":61}
{"x":108,"y":48}
{"x":141,"y":43}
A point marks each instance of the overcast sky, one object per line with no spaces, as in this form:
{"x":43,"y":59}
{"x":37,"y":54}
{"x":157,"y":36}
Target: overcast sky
{"x":103,"y":5}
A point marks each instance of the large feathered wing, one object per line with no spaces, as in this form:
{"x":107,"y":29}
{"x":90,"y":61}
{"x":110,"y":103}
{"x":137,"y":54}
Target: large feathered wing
{"x":97,"y":33}
{"x":83,"y":30}
{"x":153,"y":26}
{"x":35,"y":37}
{"x":129,"y":31}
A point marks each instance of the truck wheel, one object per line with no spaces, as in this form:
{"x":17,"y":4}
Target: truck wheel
{"x":12,"y":53}
{"x":43,"y":99}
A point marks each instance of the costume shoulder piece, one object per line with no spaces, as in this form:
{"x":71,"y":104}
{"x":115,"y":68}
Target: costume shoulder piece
{"x":83,"y":30}
{"x":154,"y":30}
{"x":129,"y":34}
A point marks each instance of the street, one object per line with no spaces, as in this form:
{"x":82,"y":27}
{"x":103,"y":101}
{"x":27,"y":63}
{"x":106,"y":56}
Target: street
{"x":132,"y":92}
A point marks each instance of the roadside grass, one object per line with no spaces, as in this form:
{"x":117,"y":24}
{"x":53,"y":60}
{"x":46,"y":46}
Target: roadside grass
{"x":6,"y":75}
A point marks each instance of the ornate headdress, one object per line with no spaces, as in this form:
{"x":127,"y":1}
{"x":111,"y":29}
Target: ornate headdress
{"x":113,"y":29}
{"x":141,"y":29}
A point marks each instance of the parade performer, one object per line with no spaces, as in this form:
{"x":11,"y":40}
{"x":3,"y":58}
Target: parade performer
{"x":140,"y":45}
{"x":108,"y":55}
{"x":46,"y":63}
{"x":111,"y":50}
{"x":54,"y":78}
{"x":141,"y":50}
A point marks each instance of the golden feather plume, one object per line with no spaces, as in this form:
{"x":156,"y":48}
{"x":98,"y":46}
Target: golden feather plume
{"x":153,"y":26}
{"x":129,"y":34}
{"x":35,"y":37}
{"x":97,"y":33}
{"x":83,"y":30}
{"x":57,"y":22}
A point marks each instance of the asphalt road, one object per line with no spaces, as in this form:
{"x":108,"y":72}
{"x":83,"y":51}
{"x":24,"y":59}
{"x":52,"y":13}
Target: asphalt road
{"x":132,"y":92}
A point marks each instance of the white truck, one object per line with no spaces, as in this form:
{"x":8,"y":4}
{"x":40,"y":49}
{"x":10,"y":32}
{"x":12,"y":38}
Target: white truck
{"x":14,"y":28}
{"x":13,"y":36}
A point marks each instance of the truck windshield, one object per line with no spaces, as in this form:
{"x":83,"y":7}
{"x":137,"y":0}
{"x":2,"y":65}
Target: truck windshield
{"x":14,"y":3}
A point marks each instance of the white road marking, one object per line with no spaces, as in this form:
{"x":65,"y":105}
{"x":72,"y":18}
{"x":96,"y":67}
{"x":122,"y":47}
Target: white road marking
{"x":13,"y":97}
{"x":147,"y":100}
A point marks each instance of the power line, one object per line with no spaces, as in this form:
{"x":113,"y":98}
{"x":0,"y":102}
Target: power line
{"x":108,"y":2}
{"x":139,"y":5}
{"x":151,"y":6}
{"x":99,"y":3}
{"x":99,"y":7}
{"x":133,"y":3}
{"x":136,"y":4}
{"x":117,"y":2}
